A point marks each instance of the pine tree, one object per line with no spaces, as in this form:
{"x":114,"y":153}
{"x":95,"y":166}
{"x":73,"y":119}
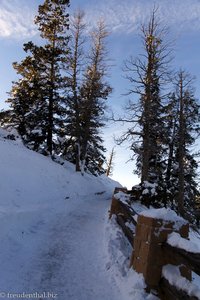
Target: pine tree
{"x":71,"y":146}
{"x":146,"y":132}
{"x":87,"y":92}
{"x":57,"y":113}
{"x":38,"y":106}
{"x":53,"y":23}
{"x":26,"y":96}
{"x":94,"y":92}
{"x":183,"y":110}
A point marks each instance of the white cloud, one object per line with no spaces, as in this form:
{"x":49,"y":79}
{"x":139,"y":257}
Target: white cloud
{"x":126,"y":16}
{"x":16,"y":16}
{"x":16,"y":19}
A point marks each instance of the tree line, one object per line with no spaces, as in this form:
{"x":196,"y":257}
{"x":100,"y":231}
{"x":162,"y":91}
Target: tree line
{"x":163,"y":123}
{"x":58,"y":104}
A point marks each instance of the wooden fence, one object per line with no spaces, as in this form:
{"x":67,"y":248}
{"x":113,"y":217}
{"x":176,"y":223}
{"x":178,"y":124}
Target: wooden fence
{"x":125,"y":215}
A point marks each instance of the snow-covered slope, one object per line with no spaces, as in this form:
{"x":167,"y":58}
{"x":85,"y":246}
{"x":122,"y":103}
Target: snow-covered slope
{"x":51,"y":228}
{"x":56,"y":241}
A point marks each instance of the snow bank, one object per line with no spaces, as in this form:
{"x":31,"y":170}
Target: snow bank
{"x":48,"y":213}
{"x":173,"y":275}
{"x":30,"y":181}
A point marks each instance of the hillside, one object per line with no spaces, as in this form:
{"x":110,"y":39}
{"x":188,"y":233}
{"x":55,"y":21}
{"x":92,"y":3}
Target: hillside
{"x":51,"y":230}
{"x":56,"y":240}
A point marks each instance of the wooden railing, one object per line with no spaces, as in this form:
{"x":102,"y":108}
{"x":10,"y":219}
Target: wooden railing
{"x":188,"y":259}
{"x":170,"y":292}
{"x":125,"y":215}
{"x":192,"y":260}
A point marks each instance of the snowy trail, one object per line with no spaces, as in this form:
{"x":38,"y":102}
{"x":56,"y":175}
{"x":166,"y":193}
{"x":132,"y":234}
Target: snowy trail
{"x":71,"y":262}
{"x":54,"y":233}
{"x":52,"y":228}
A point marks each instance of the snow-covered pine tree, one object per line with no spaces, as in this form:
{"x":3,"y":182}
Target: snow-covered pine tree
{"x":37,"y":96}
{"x":94,"y":93}
{"x":26,"y":98}
{"x":146,"y":127}
{"x":181,"y":174}
{"x":53,"y":24}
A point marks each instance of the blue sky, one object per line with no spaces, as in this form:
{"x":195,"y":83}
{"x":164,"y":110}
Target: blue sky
{"x":123,"y":19}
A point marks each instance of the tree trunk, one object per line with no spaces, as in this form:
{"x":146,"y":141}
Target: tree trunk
{"x":51,"y":99}
{"x":170,"y":157}
{"x":146,"y":128}
{"x":110,"y":163}
{"x":78,"y":162}
{"x":181,"y":152}
{"x":50,"y":124}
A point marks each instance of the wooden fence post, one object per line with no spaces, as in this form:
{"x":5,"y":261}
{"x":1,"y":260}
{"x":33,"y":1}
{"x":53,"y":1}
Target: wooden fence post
{"x":148,"y":256}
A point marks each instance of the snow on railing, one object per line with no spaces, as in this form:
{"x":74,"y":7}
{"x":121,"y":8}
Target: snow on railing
{"x":175,"y":240}
{"x":183,"y":286}
{"x":186,"y":251}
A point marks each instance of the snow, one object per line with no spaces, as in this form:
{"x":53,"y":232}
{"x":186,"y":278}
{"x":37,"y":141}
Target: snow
{"x":149,"y":188}
{"x":138,"y":207}
{"x":51,"y":227}
{"x":55,"y":234}
{"x":196,"y":279}
{"x":148,"y":184}
{"x":54,"y":231}
{"x":145,"y":191}
{"x":175,"y":240}
{"x":123,"y":197}
{"x":165,"y":214}
{"x":173,"y":275}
